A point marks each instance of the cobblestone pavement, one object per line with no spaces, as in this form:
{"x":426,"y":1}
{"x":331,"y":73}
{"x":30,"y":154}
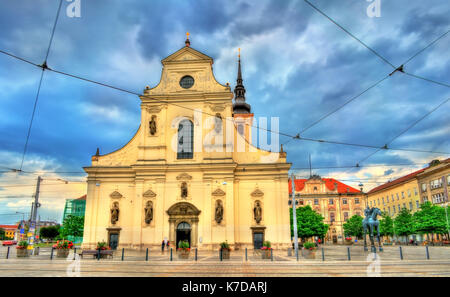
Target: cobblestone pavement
{"x":335,"y":263}
{"x":33,"y":267}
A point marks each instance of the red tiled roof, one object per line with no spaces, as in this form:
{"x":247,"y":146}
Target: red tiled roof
{"x":329,"y":183}
{"x":397,"y":181}
{"x":9,"y":226}
{"x":82,"y":198}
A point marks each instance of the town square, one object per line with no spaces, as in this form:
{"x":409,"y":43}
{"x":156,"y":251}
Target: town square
{"x":199,"y":138}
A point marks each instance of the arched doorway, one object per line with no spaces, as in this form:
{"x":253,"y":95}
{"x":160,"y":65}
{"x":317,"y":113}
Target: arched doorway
{"x":184,"y":215}
{"x":183,"y":233}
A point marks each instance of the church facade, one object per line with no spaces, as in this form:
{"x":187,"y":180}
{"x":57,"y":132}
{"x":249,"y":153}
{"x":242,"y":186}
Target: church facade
{"x":190,"y":173}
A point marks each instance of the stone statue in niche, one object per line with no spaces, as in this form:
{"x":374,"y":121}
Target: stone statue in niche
{"x":184,"y":190}
{"x":152,"y":125}
{"x":218,"y":123}
{"x":148,"y":212}
{"x":219,"y":212}
{"x":257,"y":212}
{"x":115,"y":213}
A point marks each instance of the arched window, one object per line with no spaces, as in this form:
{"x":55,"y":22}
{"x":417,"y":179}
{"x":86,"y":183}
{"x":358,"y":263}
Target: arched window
{"x":185,"y":149}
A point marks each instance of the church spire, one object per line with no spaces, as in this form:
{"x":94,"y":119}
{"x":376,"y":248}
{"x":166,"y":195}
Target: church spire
{"x":239,"y":105}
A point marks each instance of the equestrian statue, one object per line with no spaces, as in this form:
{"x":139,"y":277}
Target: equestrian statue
{"x":370,"y":221}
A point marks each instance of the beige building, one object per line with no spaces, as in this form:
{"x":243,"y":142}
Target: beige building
{"x":400,"y":193}
{"x":434,"y":182}
{"x":410,"y":191}
{"x":187,"y":173}
{"x":334,"y":200}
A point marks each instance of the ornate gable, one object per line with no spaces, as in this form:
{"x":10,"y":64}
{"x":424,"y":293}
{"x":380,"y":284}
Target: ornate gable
{"x":186,"y":54}
{"x":115,"y":195}
{"x":257,"y":193}
{"x":218,"y":192}
{"x":149,"y":194}
{"x":184,"y":176}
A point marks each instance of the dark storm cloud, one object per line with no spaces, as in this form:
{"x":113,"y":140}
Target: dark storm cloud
{"x":300,"y":68}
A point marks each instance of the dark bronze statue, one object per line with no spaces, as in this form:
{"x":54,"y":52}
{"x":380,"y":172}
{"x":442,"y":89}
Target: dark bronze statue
{"x":149,"y":212}
{"x":257,"y":212}
{"x":115,"y":213}
{"x":152,"y":125}
{"x":219,"y":212}
{"x":370,"y":221}
{"x":184,"y":190}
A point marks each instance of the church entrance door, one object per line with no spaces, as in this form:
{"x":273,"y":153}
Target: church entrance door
{"x":183,"y":233}
{"x":183,"y":223}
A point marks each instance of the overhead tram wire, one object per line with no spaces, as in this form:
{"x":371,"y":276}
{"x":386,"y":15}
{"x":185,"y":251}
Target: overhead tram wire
{"x":427,"y":79}
{"x":203,"y":112}
{"x":399,"y":69}
{"x":43,"y":66}
{"x":350,"y":34}
{"x":407,"y":129}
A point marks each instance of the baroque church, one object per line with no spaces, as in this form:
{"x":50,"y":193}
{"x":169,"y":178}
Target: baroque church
{"x":190,"y":172}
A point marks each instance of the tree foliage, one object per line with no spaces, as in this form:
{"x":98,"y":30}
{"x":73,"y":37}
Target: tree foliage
{"x":353,"y":226}
{"x":2,"y":234}
{"x":309,"y":223}
{"x":73,"y":226}
{"x":404,"y":223}
{"x":430,"y":219}
{"x":386,"y":225}
{"x":50,"y":232}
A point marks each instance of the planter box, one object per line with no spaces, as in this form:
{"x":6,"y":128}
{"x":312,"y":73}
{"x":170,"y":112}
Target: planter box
{"x":183,"y":254}
{"x":265,"y":254}
{"x":348,"y":242}
{"x":22,"y":253}
{"x":62,"y":253}
{"x":225,"y":254}
{"x":309,"y":254}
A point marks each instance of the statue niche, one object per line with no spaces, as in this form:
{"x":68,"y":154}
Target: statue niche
{"x":152,"y":125}
{"x":148,"y":212}
{"x":115,"y":213}
{"x":257,"y":212}
{"x":184,"y":190}
{"x":219,"y":212}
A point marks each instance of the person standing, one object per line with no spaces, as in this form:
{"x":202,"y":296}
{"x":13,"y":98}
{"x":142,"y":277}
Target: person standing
{"x":162,"y":246}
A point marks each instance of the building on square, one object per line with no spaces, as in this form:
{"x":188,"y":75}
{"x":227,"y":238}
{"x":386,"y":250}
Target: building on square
{"x":10,"y":231}
{"x":190,"y":172}
{"x":74,"y":207}
{"x":434,"y":182}
{"x":410,"y":191}
{"x":332,"y":199}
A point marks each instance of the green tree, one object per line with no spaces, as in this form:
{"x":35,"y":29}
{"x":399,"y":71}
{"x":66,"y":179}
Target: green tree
{"x":50,"y":232}
{"x":386,"y":225}
{"x":309,"y":223}
{"x":404,"y":223}
{"x":353,"y":226}
{"x":430,"y":219}
{"x":73,"y":226}
{"x":2,"y":234}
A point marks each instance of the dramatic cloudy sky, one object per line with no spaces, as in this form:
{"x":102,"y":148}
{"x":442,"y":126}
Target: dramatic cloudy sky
{"x":297,"y":66}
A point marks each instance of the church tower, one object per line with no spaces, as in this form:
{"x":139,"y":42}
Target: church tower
{"x":241,"y":109}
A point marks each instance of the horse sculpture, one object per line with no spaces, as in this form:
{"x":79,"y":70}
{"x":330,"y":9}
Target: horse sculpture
{"x":370,"y":221}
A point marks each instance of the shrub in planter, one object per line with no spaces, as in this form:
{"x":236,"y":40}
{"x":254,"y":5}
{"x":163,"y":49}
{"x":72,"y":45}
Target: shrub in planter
{"x":266,"y":250}
{"x":225,"y":248}
{"x":63,"y":248}
{"x":22,"y":249}
{"x":309,"y":250}
{"x":348,"y":241}
{"x":183,"y":250}
{"x":102,"y":246}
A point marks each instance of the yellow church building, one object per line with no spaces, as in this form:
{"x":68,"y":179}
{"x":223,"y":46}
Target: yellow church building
{"x":190,"y":172}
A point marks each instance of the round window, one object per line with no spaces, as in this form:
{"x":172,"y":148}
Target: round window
{"x":186,"y":82}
